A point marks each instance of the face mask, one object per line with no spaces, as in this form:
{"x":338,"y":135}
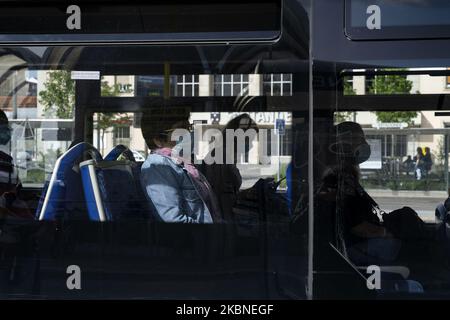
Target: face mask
{"x":347,"y":152}
{"x":362,"y":153}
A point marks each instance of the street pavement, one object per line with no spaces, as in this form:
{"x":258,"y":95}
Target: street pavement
{"x":424,"y":206}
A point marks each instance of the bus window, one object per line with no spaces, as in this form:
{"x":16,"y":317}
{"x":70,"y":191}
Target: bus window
{"x":152,"y":178}
{"x":40,"y":119}
{"x":175,"y":169}
{"x":383,"y":178}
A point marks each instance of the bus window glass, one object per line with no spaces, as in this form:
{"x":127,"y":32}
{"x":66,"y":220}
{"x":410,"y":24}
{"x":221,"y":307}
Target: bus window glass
{"x":171,"y":163}
{"x":39,"y":106}
{"x":383,"y":179}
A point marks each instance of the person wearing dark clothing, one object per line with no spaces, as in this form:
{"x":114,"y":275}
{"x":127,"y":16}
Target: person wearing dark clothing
{"x":225,"y":178}
{"x":10,"y":203}
{"x":418,"y":159}
{"x":408,"y":165}
{"x":365,"y":239}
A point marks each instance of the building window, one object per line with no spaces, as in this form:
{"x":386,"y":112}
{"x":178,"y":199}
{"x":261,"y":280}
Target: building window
{"x":400,"y":146}
{"x":388,"y":149}
{"x":187,"y":86}
{"x":230,"y":85}
{"x":278,"y":84}
{"x":122,"y":132}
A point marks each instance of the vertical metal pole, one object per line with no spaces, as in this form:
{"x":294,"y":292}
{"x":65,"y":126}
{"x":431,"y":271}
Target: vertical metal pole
{"x":279,"y":155}
{"x":14,"y":115}
{"x":167,"y":80}
{"x":446,"y":161}
{"x":98,"y":130}
{"x":393,"y":158}
{"x":14,"y":93}
{"x":309,"y":292}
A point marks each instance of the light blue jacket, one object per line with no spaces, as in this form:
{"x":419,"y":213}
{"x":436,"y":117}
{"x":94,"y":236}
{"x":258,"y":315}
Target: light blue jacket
{"x":172,"y":192}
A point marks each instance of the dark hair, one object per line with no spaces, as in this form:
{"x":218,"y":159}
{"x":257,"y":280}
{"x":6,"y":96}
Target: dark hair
{"x":155,"y":126}
{"x":243,"y":121}
{"x":349,"y":127}
{"x":3,"y":118}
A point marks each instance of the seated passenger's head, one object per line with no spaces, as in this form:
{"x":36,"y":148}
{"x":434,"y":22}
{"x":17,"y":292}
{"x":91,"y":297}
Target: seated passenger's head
{"x":350,"y":146}
{"x":157,"y":130}
{"x":242,"y":122}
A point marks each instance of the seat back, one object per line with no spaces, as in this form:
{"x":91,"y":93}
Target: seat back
{"x":112,"y":192}
{"x":119,"y":150}
{"x":62,"y":193}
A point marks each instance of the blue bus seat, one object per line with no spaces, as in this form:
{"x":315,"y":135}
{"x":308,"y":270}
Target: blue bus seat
{"x":112,"y":191}
{"x":62,"y":193}
{"x":117,"y":151}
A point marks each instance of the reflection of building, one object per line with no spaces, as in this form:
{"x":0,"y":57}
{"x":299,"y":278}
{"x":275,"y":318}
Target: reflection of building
{"x":206,"y":85}
{"x":405,"y":140}
{"x":199,"y":85}
{"x":18,"y":94}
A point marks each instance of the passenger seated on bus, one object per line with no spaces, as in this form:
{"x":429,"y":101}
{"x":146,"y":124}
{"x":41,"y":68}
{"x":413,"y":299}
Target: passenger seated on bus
{"x":178,"y":192}
{"x":10,"y":203}
{"x":365,"y":238}
{"x":443,"y":209}
{"x":225,"y":178}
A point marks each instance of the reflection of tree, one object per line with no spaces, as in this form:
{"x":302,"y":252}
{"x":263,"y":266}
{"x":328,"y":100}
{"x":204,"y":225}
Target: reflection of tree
{"x":49,"y":157}
{"x":106,"y":121}
{"x":393,"y":84}
{"x":59,"y":94}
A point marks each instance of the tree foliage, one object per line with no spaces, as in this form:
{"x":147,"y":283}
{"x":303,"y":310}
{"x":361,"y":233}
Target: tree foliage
{"x":59,"y":94}
{"x":392,"y":84}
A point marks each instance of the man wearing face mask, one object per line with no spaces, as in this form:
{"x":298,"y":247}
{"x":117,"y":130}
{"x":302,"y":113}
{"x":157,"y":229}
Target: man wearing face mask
{"x":366,"y":239}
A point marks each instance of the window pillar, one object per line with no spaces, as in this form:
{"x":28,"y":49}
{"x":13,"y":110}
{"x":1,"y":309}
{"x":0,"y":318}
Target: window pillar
{"x":206,"y":85}
{"x":255,"y":85}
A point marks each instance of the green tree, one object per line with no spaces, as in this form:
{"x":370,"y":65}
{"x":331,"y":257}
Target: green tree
{"x":392,"y":84}
{"x":348,"y":87}
{"x":109,"y":91}
{"x":59,"y":94}
{"x":396,"y":116}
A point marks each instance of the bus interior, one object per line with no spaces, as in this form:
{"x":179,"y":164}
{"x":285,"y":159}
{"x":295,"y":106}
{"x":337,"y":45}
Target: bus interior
{"x":78,"y":115}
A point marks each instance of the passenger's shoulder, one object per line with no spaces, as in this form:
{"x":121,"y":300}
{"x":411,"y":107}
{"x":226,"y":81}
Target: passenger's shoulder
{"x":156,"y":159}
